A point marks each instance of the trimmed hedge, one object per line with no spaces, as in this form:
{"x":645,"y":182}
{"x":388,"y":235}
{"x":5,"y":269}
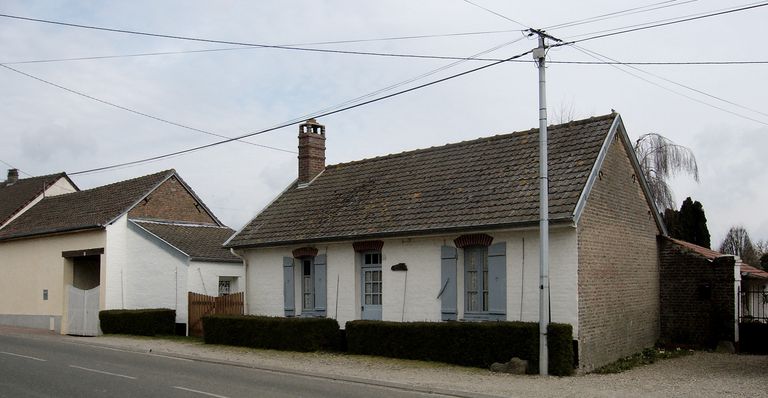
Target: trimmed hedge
{"x":477,"y":344}
{"x":289,"y":334}
{"x":147,"y":322}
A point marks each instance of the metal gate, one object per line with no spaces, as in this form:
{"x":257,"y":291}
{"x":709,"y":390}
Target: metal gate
{"x":83,"y":311}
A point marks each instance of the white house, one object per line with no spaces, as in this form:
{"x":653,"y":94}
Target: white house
{"x":451,"y":233}
{"x":139,"y":243}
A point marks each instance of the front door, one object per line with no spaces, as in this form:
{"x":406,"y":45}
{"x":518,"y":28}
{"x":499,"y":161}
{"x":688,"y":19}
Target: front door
{"x":371,"y":285}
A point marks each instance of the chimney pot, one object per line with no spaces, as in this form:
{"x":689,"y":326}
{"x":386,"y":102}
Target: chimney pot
{"x":13,"y":176}
{"x":311,"y":150}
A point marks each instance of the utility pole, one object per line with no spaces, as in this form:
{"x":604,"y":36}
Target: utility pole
{"x":540,"y":54}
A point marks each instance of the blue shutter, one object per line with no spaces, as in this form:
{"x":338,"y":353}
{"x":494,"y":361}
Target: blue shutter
{"x":448,"y":283}
{"x":288,"y":294}
{"x":320,"y":284}
{"x":497,"y":278}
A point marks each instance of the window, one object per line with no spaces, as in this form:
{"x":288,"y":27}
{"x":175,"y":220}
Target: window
{"x":476,"y":279}
{"x":307,"y":285}
{"x":225,"y":287}
{"x":371,"y":284}
{"x":372,"y":278}
{"x":304,"y":283}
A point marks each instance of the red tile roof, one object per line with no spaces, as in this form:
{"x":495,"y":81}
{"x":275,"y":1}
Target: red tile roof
{"x":752,"y":272}
{"x":746,"y":269}
{"x":703,"y":251}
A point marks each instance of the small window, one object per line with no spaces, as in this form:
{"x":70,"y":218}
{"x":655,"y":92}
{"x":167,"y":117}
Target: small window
{"x":476,"y":279}
{"x":307,"y":287}
{"x":372,"y":258}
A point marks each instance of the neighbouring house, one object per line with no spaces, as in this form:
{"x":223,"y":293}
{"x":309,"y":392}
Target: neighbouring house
{"x":754,"y":294}
{"x":699,"y":291}
{"x":18,"y":195}
{"x":450,"y":233}
{"x":139,"y":243}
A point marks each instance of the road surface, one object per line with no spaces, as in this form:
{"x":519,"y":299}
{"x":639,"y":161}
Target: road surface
{"x":46,"y":366}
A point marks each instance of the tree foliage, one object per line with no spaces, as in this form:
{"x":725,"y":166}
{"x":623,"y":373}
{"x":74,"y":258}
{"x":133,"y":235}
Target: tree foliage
{"x":660,"y":159}
{"x":737,"y":242}
{"x":689,"y":223}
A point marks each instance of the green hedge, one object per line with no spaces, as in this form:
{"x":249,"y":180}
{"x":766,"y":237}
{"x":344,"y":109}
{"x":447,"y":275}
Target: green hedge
{"x":290,"y":334}
{"x":147,"y":322}
{"x":476,"y":344}
{"x":753,"y":337}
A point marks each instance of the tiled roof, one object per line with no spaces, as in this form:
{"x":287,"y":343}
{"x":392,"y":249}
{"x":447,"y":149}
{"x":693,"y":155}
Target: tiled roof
{"x":92,"y":208}
{"x":752,"y":272}
{"x":202,"y":242}
{"x":480,"y":183}
{"x":14,"y":196}
{"x":702,"y":251}
{"x":746,"y":269}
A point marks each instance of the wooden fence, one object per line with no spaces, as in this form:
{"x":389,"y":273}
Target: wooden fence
{"x":201,"y":305}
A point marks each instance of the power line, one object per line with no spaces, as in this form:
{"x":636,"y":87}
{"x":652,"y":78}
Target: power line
{"x":415,"y":78}
{"x":681,"y":85}
{"x":598,"y":57}
{"x":451,"y":58}
{"x":664,"y":22}
{"x":14,"y":167}
{"x":621,"y":13}
{"x":287,"y":124}
{"x":667,"y":63}
{"x":497,"y":14}
{"x":246,"y":44}
{"x":114,"y":105}
{"x":371,"y":94}
{"x":252,"y":48}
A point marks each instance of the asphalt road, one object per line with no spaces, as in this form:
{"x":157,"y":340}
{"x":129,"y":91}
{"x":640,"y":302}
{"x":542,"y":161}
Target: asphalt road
{"x":35,"y":366}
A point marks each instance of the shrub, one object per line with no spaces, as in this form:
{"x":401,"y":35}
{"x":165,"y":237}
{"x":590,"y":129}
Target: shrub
{"x":477,"y":344}
{"x":289,"y":334}
{"x":752,"y":337}
{"x":147,"y":322}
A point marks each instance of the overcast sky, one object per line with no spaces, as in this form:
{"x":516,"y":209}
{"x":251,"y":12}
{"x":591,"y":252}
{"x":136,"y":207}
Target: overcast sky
{"x":47,"y":129}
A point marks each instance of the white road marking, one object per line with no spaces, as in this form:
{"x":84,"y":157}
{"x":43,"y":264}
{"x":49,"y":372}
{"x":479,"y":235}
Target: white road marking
{"x":23,"y":356}
{"x":200,"y":392}
{"x":135,"y":351}
{"x":102,"y":372}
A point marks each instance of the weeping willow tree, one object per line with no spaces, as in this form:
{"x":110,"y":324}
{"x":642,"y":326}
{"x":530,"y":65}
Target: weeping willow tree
{"x":661,"y":159}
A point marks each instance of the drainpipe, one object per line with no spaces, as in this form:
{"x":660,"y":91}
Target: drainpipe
{"x":245,"y":280}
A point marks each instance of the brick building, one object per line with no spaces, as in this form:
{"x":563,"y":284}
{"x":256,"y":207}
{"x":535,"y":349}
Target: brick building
{"x":451,"y":233}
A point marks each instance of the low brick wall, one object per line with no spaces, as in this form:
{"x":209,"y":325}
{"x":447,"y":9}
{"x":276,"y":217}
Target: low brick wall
{"x":697,"y":297}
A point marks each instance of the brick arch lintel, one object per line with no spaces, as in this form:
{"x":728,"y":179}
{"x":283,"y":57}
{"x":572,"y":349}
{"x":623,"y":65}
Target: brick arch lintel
{"x":473,"y":240}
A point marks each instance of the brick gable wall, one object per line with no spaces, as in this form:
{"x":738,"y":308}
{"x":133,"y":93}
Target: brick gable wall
{"x":697,"y":297}
{"x":618,"y":277}
{"x":171,"y":202}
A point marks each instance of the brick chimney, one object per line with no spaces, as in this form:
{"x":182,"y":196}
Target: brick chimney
{"x":311,"y":150}
{"x":13,"y":176}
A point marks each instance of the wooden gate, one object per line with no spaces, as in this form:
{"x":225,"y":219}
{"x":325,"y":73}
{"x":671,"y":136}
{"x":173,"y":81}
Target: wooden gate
{"x":201,"y":305}
{"x":83,"y":311}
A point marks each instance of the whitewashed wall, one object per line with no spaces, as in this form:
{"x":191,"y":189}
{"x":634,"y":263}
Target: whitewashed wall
{"x":145,"y":272}
{"x":419,"y":292}
{"x":203,"y":276}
